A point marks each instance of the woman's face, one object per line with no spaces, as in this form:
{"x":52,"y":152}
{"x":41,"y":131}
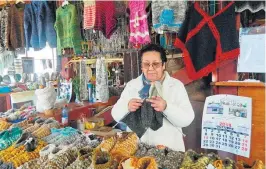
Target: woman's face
{"x":152,"y":66}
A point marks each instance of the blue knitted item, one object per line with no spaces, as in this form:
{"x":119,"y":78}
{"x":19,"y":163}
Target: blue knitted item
{"x":39,"y":19}
{"x":144,"y":92}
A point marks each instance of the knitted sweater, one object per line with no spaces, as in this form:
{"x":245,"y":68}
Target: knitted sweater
{"x":39,"y":19}
{"x":105,"y":20}
{"x":89,"y":14}
{"x":15,"y":27}
{"x":68,"y":29}
{"x":206,"y":41}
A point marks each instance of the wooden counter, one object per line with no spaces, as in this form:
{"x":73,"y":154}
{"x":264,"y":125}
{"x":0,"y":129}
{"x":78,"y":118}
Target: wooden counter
{"x":76,"y":111}
{"x":256,"y":91}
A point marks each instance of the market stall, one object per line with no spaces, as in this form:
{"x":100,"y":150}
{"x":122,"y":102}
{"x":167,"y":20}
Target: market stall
{"x":68,"y":73}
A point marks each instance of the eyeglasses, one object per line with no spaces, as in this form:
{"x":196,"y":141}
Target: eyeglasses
{"x":155,"y":65}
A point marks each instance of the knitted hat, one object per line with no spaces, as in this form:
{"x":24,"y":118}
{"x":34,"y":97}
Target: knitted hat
{"x":168,"y":15}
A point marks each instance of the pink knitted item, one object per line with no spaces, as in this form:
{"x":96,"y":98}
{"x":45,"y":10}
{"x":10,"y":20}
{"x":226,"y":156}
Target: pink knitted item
{"x":139,"y":31}
{"x":105,"y":20}
{"x":89,"y":14}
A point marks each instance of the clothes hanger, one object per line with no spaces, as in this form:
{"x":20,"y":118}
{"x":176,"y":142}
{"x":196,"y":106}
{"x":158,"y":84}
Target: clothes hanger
{"x":65,"y":3}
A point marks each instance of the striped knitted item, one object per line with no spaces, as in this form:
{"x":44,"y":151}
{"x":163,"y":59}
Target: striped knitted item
{"x":105,"y":19}
{"x":139,"y":31}
{"x":89,"y":14}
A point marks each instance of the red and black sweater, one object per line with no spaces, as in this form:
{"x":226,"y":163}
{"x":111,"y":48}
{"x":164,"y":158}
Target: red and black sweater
{"x":206,"y":41}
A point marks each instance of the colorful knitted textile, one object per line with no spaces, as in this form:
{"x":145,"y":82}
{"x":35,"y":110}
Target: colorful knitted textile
{"x":8,"y":137}
{"x":206,"y":41}
{"x":15,"y":27}
{"x":3,"y":28}
{"x":89,"y":14}
{"x":39,"y":19}
{"x":105,"y":20}
{"x":68,"y":29}
{"x":19,"y":155}
{"x":168,"y":15}
{"x":139,"y":31}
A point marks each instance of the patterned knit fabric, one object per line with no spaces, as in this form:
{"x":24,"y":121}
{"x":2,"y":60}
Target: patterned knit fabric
{"x":6,"y":60}
{"x":39,"y":19}
{"x":102,"y":92}
{"x":68,"y":29}
{"x":168,"y":15}
{"x":89,"y":14}
{"x":139,"y":31}
{"x":143,"y":118}
{"x":3,"y":28}
{"x":15,"y":27}
{"x":8,"y":137}
{"x":200,"y":56}
{"x":105,"y":20}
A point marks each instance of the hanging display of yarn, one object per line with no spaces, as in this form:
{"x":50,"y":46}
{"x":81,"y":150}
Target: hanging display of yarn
{"x":102,"y":91}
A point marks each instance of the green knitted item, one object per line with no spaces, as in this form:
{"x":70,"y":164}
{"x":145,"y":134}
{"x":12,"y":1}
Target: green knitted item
{"x":9,"y":137}
{"x":68,"y":29}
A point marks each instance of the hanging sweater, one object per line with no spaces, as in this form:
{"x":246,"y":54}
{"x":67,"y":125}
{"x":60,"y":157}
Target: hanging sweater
{"x":89,"y":14}
{"x":39,"y":19}
{"x":3,"y":29}
{"x":168,"y":15}
{"x":139,"y":31}
{"x":206,"y":41}
{"x":105,"y":19}
{"x":68,"y":29}
{"x":15,"y":27}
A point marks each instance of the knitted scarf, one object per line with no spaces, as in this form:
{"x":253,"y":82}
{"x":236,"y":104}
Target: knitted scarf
{"x":145,"y":117}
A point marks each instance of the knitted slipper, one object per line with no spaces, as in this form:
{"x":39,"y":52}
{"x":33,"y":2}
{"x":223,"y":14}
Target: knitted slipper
{"x":45,"y":151}
{"x":188,"y":160}
{"x":108,"y":143}
{"x":126,"y":145}
{"x":22,"y":139}
{"x":128,"y":162}
{"x":228,"y":164}
{"x":101,"y":159}
{"x":31,"y":144}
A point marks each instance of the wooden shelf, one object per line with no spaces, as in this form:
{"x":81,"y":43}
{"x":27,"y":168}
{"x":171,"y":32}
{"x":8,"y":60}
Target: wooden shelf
{"x":238,"y":84}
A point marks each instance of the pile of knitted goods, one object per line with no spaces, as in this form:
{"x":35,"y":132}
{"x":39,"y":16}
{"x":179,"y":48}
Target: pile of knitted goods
{"x":25,"y":149}
{"x":76,"y":155}
{"x":193,"y":160}
{"x":165,"y":157}
{"x":16,"y":115}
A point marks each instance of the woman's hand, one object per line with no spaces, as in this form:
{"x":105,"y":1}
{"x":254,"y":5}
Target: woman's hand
{"x":134,"y":104}
{"x":158,"y":103}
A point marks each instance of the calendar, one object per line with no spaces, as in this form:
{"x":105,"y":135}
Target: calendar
{"x":226,"y":124}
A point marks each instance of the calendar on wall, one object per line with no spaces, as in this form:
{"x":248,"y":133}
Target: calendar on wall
{"x":226,"y":124}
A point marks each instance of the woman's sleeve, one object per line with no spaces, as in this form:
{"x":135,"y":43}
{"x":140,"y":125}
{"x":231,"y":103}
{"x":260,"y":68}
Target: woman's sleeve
{"x":120,"y":109}
{"x":180,"y":111}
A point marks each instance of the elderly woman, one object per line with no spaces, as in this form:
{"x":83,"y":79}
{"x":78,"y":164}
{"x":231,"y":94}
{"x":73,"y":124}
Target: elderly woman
{"x":170,"y":108}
